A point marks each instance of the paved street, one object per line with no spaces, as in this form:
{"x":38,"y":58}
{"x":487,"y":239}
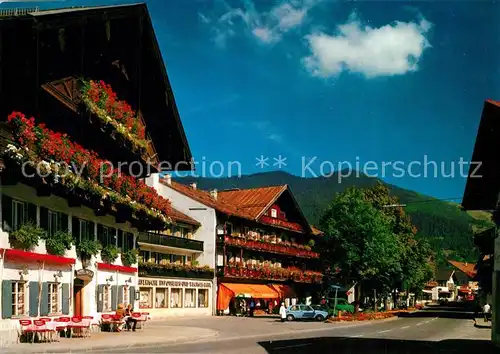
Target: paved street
{"x":430,"y":332}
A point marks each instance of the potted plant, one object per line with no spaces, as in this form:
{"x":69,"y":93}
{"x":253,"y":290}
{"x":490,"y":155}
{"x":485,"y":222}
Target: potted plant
{"x":26,"y":237}
{"x":86,"y":249}
{"x":109,"y":253}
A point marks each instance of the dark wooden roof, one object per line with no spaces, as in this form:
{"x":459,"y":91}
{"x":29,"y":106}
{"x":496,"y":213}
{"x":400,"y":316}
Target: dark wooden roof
{"x":114,"y":43}
{"x":483,"y":182}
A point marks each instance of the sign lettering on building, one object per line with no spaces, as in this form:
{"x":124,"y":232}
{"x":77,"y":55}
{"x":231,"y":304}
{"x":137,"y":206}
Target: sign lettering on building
{"x":174,"y":283}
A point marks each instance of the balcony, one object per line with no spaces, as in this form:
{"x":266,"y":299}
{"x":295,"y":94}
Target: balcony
{"x":234,"y":270}
{"x":147,"y":269}
{"x":284,"y":248}
{"x":170,"y":241}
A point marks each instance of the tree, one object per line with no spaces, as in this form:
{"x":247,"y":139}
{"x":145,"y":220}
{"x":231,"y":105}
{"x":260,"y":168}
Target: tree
{"x":416,"y":256}
{"x":359,"y":240}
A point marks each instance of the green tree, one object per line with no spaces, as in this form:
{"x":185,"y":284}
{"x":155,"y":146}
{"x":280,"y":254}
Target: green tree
{"x":416,"y":256}
{"x":359,"y":241}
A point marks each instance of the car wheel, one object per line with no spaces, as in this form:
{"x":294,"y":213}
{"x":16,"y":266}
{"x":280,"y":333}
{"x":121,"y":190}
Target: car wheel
{"x":320,"y":318}
{"x":290,"y":318}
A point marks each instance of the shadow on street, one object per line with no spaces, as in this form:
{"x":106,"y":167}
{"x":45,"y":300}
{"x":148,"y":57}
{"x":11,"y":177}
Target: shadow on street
{"x":376,"y":346}
{"x":454,"y":311}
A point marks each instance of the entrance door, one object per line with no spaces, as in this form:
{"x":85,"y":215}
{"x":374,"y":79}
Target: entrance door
{"x":78,"y":298}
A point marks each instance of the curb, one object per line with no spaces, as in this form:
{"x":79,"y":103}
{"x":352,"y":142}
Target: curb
{"x":108,"y":348}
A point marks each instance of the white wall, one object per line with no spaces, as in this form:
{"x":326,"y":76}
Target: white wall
{"x":205,"y":215}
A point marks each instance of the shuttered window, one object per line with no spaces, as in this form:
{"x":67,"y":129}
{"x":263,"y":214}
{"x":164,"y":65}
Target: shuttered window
{"x":86,"y":230}
{"x":106,"y":299}
{"x":18,"y":214}
{"x":18,"y":298}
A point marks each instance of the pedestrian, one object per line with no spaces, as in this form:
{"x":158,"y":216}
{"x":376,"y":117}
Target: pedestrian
{"x":252,"y":307}
{"x":283,"y":312}
{"x":486,"y":312}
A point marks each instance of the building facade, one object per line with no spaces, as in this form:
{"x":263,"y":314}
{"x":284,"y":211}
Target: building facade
{"x":74,"y":205}
{"x":482,"y":192}
{"x":260,"y":242}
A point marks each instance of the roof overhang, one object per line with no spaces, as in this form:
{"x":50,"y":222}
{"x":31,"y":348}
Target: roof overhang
{"x":482,"y":190}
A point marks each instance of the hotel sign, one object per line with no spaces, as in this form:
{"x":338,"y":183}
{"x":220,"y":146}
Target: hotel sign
{"x":281,"y":223}
{"x":174,"y":283}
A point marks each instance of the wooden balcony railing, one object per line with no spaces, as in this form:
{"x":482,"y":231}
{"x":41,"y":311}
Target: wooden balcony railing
{"x":171,"y":241}
{"x":269,"y":273}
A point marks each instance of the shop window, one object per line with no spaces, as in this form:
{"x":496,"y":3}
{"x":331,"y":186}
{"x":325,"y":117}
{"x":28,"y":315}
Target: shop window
{"x":106,"y":299}
{"x":146,"y":298}
{"x":202,"y":297}
{"x":177,"y":259}
{"x":18,"y":298}
{"x":190,"y":298}
{"x":161,"y":298}
{"x":175,"y":297}
{"x":54,"y":305}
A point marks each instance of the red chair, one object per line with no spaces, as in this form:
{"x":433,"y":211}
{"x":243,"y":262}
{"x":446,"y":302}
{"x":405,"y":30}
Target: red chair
{"x":75,"y":325}
{"x":46,"y":319}
{"x":25,"y":329}
{"x":39,"y":328}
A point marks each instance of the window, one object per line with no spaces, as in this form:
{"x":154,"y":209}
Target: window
{"x":177,"y":259}
{"x":202,"y":297}
{"x":18,"y":298}
{"x":86,"y":230}
{"x":18,"y":214}
{"x":229,"y":228}
{"x":143,"y":256}
{"x":54,"y":298}
{"x":306,"y":308}
{"x":146,"y":298}
{"x":294,"y":308}
{"x":190,"y":298}
{"x":106,"y":299}
{"x":54,"y":224}
{"x":126,"y":295}
{"x":103,"y":235}
{"x":176,"y":297}
{"x":161,"y":298}
{"x":274,"y":213}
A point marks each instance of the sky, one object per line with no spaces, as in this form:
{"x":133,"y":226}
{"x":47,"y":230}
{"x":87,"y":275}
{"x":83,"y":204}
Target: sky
{"x":307,"y":86}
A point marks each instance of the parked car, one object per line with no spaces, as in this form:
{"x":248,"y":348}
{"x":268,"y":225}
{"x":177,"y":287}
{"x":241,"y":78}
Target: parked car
{"x":305,"y":312}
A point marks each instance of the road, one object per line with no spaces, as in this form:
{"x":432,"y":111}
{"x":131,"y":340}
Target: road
{"x":447,"y":331}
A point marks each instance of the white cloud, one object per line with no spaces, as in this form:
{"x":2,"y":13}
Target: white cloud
{"x":266,"y":27}
{"x":393,"y":49}
{"x":275,"y":137}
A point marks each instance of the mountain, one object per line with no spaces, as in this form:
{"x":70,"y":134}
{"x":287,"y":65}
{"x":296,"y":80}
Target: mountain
{"x":447,"y":228}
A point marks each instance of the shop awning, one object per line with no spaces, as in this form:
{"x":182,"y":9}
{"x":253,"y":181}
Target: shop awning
{"x":25,"y":257}
{"x":284,"y":291}
{"x":227,"y":291}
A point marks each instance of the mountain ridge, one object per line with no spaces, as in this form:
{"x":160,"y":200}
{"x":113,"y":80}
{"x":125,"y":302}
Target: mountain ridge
{"x":447,"y":228}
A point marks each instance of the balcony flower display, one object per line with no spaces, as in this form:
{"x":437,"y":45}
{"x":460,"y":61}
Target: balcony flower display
{"x":117,"y":115}
{"x":241,"y":270}
{"x":287,"y":248}
{"x":186,"y":270}
{"x":66,"y":163}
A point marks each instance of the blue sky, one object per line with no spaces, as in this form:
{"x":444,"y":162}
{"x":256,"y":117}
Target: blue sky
{"x":339,"y":81}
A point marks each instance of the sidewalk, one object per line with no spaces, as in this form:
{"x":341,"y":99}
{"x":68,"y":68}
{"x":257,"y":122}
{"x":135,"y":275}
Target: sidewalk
{"x":155,"y":334}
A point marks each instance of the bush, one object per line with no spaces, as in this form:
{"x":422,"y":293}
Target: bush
{"x":129,"y":257}
{"x":88,"y":248}
{"x":58,"y":243}
{"x":110,"y":253}
{"x":26,"y":237}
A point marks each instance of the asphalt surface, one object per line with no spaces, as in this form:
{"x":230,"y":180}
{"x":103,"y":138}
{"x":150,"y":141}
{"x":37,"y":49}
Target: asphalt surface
{"x":438,"y":330}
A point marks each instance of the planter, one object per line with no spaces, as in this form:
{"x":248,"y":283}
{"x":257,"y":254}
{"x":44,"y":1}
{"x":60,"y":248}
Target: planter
{"x":43,"y":189}
{"x":123,"y":213}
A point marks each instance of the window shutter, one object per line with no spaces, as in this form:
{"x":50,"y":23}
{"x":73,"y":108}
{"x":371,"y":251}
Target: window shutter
{"x":6,"y":299}
{"x":33,"y":298}
{"x":75,"y":229}
{"x":120,"y":294}
{"x":65,"y":299}
{"x":6,"y":213}
{"x":100,"y":294}
{"x":131,"y":296}
{"x":100,"y":235}
{"x":44,"y":304}
{"x":114,"y":297}
{"x":44,"y":218}
{"x":31,"y":213}
{"x":64,"y":222}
